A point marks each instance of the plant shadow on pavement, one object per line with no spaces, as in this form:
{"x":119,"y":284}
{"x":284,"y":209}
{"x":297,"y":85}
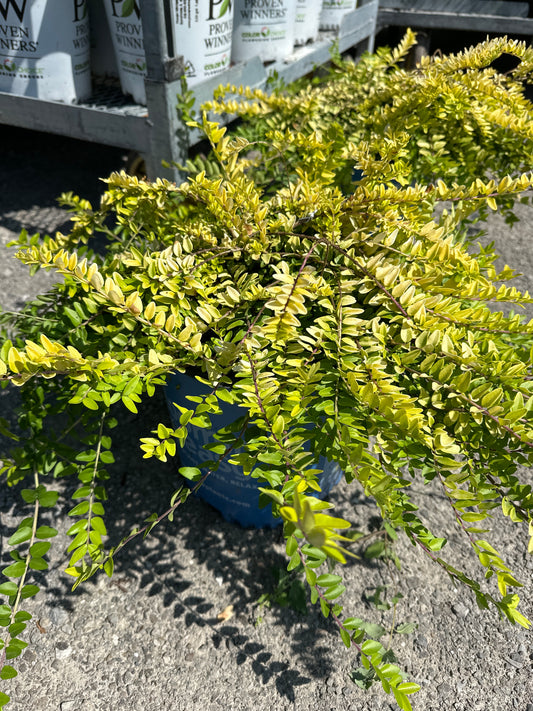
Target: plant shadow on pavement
{"x":198,"y":559}
{"x":186,"y":562}
{"x":198,"y":563}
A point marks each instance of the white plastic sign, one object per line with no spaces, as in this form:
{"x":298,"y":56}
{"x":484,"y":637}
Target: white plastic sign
{"x":45,"y":49}
{"x":202,"y":35}
{"x":124,"y":17}
{"x":307,"y":19}
{"x":263,"y":28}
{"x":333,"y":11}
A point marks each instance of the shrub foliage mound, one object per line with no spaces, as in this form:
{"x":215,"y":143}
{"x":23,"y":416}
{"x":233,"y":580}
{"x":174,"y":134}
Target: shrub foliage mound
{"x":310,"y":275}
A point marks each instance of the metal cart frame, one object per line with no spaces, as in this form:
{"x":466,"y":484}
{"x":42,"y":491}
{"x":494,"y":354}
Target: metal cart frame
{"x":155,"y":131}
{"x":492,"y":16}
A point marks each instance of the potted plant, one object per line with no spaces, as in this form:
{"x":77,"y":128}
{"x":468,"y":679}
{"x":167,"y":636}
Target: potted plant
{"x":347,"y":319}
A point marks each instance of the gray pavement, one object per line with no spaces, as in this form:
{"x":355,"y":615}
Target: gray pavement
{"x":150,"y":638}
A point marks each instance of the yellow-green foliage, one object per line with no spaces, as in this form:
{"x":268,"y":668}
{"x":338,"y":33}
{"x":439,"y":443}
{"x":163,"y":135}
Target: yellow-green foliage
{"x":357,"y":324}
{"x":455,"y":118}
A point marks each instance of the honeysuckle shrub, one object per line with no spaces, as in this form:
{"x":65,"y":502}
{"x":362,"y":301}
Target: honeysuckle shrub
{"x":356,"y":326}
{"x":455,"y":118}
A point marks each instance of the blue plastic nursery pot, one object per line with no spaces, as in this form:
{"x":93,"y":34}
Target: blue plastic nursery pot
{"x":227,"y":489}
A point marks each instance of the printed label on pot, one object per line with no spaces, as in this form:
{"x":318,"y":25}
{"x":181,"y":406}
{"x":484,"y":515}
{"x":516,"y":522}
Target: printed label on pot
{"x":234,"y":494}
{"x":45,"y":49}
{"x":125,"y":25}
{"x":307,"y":19}
{"x":333,"y":11}
{"x":263,"y":28}
{"x":202,"y":35}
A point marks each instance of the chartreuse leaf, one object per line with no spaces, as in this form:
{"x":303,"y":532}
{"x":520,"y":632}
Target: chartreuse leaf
{"x":370,"y":647}
{"x":328,"y":580}
{"x":8,"y":588}
{"x":191,"y":473}
{"x":38,"y":564}
{"x":15,"y":570}
{"x":80,"y":509}
{"x":294,"y":561}
{"x":310,"y":576}
{"x":109,"y":567}
{"x":345,"y":638}
{"x":333,"y":592}
{"x":325,"y":608}
{"x":21,"y":534}
{"x":408,"y":687}
{"x":47,"y":499}
{"x":29,"y":591}
{"x":401,"y":699}
{"x":8,"y":672}
{"x":291,"y":546}
{"x":45,"y":532}
{"x":16,"y":628}
{"x":22,"y":615}
{"x":29,"y":495}
{"x":15,"y":648}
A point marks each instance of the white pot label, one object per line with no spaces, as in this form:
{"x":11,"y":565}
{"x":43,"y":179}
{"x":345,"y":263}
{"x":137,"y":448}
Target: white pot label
{"x":307,"y":19}
{"x":333,"y":11}
{"x":125,"y":25}
{"x":263,"y":28}
{"x":202,"y":34}
{"x":45,"y":49}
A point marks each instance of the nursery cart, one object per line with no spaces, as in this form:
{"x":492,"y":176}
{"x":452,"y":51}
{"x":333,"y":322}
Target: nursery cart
{"x":154,"y":131}
{"x":470,"y":15}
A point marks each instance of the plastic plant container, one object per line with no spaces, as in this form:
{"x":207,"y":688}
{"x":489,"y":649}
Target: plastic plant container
{"x":45,"y":49}
{"x":307,"y":21}
{"x":228,"y":490}
{"x":333,"y":11}
{"x":263,"y":28}
{"x":126,"y":30}
{"x":202,"y":35}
